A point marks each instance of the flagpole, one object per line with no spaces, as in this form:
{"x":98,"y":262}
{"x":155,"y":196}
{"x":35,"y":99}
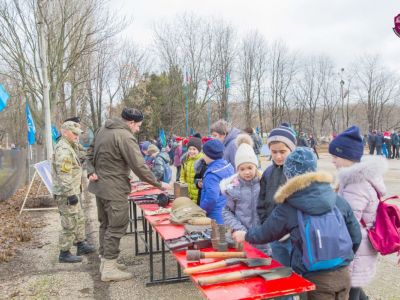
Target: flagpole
{"x":187,"y":105}
{"x":209,"y":107}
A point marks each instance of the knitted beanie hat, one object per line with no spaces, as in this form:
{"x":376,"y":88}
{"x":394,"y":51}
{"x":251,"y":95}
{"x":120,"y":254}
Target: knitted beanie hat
{"x":284,"y":135}
{"x":145,"y":145}
{"x":348,"y":144}
{"x":245,"y":152}
{"x":301,"y":160}
{"x":195,"y":142}
{"x":152,"y":149}
{"x":214,"y":149}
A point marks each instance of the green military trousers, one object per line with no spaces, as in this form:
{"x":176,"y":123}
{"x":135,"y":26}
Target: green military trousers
{"x":113,"y":217}
{"x":72,"y":223}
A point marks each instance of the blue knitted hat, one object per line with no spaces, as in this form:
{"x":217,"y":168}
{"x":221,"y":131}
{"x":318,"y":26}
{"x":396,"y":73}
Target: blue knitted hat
{"x":348,"y":144}
{"x":301,"y":160}
{"x":284,"y":135}
{"x":214,"y":149}
{"x":145,"y":145}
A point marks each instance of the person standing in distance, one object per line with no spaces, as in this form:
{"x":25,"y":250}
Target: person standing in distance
{"x":110,"y":159}
{"x":67,"y":188}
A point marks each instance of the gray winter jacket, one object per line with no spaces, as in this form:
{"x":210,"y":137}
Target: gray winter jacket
{"x":230,"y":146}
{"x":160,"y":162}
{"x":240,"y":211}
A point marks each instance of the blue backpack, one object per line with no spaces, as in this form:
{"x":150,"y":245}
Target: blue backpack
{"x":167,"y":176}
{"x":326,"y":241}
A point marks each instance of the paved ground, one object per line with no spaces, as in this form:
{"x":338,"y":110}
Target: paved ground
{"x":36,"y":274}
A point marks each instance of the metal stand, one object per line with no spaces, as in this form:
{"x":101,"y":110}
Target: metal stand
{"x":27,"y":194}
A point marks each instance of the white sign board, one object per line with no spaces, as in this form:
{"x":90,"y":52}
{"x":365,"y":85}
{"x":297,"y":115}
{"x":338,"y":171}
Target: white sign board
{"x":44,"y":170}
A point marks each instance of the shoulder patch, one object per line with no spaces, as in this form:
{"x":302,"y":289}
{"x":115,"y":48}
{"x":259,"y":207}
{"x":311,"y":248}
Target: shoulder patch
{"x":66,"y":165}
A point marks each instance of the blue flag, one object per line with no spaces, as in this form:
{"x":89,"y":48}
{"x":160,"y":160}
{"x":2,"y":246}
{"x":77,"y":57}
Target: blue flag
{"x":163,"y":138}
{"x":3,"y":98}
{"x":54,"y":133}
{"x":31,"y":126}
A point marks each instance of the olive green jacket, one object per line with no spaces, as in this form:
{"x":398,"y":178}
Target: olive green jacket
{"x":112,"y":155}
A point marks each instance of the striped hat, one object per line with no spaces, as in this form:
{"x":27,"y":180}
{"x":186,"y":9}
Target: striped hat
{"x":284,"y":135}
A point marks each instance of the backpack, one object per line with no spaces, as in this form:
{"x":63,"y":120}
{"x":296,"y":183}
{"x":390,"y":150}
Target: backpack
{"x":326,"y":241}
{"x":385,"y":234}
{"x":167,"y":176}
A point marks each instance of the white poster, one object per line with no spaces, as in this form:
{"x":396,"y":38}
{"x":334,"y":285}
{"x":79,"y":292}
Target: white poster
{"x":44,"y":171}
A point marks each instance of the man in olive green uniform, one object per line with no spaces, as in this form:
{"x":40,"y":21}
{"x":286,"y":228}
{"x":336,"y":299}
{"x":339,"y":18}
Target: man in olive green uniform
{"x":67,"y":188}
{"x":112,"y":155}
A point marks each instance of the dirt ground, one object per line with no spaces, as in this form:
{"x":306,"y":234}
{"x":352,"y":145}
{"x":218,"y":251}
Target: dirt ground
{"x":34,"y":273}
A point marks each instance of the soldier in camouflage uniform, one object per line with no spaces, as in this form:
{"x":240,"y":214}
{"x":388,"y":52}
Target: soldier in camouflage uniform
{"x":67,"y":188}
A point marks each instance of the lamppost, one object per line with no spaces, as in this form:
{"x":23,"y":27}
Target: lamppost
{"x":342,"y":96}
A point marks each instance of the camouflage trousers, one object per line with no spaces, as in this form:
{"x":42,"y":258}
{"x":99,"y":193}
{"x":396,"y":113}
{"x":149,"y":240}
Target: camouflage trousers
{"x":72,"y":223}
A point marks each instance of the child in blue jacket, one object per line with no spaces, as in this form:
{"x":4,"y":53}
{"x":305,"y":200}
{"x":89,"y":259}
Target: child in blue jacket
{"x":309,"y":192}
{"x":212,"y":200}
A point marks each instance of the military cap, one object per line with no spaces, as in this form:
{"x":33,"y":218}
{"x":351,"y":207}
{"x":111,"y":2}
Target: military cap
{"x":73,"y":126}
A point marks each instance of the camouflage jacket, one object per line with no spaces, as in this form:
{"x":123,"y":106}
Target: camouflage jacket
{"x":66,"y":169}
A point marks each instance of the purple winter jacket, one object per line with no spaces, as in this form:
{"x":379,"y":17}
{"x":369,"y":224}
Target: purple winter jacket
{"x":359,"y":185}
{"x":177,"y":156}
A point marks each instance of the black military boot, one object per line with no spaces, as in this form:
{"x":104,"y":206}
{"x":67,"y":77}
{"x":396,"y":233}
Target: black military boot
{"x":67,"y":257}
{"x":84,"y":248}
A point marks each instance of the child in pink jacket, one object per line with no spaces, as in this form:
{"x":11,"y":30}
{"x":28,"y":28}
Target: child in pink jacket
{"x":360,"y":183}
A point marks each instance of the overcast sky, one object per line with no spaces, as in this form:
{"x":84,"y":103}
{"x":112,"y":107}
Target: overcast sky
{"x":341,"y":29}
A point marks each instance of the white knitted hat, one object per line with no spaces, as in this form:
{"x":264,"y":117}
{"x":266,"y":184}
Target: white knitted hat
{"x":245,"y":152}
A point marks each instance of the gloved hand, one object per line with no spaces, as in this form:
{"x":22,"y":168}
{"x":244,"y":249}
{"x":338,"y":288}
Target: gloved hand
{"x":73,"y":200}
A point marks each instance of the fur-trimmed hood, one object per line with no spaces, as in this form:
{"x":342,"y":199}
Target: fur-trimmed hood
{"x":234,"y":182}
{"x":310,"y":192}
{"x":371,"y":169}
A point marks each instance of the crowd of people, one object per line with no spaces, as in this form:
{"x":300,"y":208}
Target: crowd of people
{"x":224,"y":177}
{"x":384,"y":143}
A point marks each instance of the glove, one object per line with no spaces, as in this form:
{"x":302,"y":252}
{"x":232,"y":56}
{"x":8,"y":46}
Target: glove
{"x":73,"y":200}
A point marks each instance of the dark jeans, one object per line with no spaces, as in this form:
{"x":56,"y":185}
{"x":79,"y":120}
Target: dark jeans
{"x":333,"y":285}
{"x":395,"y":151}
{"x":178,"y":172}
{"x":113,"y":217}
{"x":281,"y":251}
{"x":357,"y":293}
{"x":371,"y":149}
{"x":378,"y":150}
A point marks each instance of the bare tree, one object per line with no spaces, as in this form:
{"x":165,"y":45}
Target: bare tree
{"x":251,"y":53}
{"x":73,"y":29}
{"x":311,"y":81}
{"x":281,"y":74}
{"x":377,"y":87}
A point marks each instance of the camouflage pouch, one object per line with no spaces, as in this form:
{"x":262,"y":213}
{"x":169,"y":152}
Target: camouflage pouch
{"x":184,"y":214}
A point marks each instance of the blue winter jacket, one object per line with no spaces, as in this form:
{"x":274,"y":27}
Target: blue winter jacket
{"x":312,"y":194}
{"x":212,"y":200}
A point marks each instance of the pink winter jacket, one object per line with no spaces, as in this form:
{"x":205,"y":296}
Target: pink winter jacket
{"x":359,"y":185}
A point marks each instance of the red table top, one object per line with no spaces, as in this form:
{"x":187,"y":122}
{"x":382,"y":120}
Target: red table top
{"x":166,"y":230}
{"x":252,"y":288}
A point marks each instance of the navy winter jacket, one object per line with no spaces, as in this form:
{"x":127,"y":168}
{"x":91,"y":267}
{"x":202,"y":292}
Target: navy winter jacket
{"x":312,"y":194}
{"x":212,"y":200}
{"x":271,"y":180}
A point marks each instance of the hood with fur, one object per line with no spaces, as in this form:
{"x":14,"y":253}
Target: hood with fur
{"x":310,"y":193}
{"x":371,"y":169}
